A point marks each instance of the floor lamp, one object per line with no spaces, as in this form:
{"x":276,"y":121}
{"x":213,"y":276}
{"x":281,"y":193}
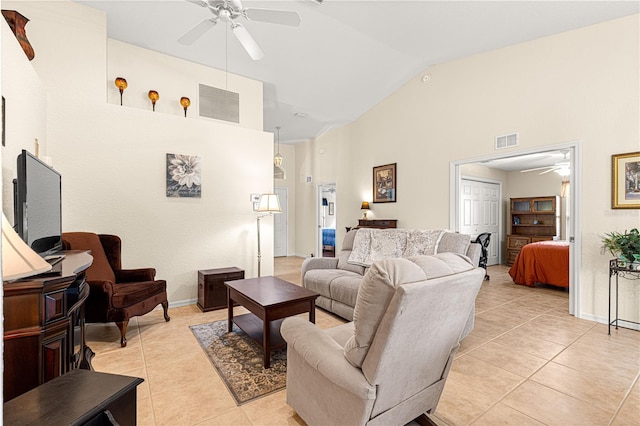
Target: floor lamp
{"x":269,"y":204}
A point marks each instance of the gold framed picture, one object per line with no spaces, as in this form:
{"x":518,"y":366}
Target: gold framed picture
{"x":385,"y":181}
{"x":625,"y":181}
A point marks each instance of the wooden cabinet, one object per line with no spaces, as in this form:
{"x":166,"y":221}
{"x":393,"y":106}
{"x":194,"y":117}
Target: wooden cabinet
{"x":44,"y":325}
{"x":212,"y":293}
{"x":532,"y":219}
{"x":378,"y":223}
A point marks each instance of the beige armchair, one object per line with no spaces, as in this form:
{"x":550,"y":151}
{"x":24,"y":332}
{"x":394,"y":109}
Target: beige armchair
{"x":390,"y":364}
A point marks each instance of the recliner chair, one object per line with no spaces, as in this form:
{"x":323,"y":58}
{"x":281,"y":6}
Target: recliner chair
{"x":116,"y":294}
{"x":389,"y":365}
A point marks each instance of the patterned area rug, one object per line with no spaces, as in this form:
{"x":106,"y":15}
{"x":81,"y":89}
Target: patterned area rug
{"x":238,"y":360}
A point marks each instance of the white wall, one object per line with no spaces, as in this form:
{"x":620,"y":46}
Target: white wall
{"x":579,"y":85}
{"x":288,"y":153}
{"x":112,"y":158}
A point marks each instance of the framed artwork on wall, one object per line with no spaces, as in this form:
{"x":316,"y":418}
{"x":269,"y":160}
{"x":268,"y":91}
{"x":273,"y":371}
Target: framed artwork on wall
{"x":625,"y":181}
{"x":331,"y":208}
{"x":385,"y":182}
{"x":183,"y":176}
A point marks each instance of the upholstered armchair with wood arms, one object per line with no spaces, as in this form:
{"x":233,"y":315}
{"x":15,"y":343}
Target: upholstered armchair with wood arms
{"x":116,"y":294}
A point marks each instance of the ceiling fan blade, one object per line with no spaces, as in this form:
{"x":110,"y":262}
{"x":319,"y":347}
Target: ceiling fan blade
{"x":537,"y":168}
{"x":198,"y":31}
{"x":200,"y":3}
{"x":282,"y":17}
{"x":247,"y":41}
{"x":550,"y":170}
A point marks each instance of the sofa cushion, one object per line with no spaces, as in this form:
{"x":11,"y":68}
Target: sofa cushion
{"x":319,"y":280}
{"x":422,"y":242}
{"x":343,"y":263}
{"x":347,"y":242}
{"x":378,"y":287}
{"x":454,"y":242}
{"x":345,"y":289}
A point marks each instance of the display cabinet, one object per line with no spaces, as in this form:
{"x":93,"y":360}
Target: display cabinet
{"x":532,"y":219}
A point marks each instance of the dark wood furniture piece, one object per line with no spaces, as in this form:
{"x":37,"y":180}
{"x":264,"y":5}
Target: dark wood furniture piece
{"x":617,"y":269}
{"x":212,"y":293}
{"x":269,"y":300}
{"x":80,"y":397}
{"x":377,"y":223}
{"x":533,"y":219}
{"x":44,"y":332}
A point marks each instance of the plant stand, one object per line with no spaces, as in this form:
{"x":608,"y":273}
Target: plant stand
{"x":615,"y":269}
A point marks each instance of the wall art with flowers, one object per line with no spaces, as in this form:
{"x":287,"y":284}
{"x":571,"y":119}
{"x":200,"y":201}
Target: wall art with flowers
{"x":183,"y":176}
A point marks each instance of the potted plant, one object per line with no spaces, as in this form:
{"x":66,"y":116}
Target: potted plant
{"x":625,"y":246}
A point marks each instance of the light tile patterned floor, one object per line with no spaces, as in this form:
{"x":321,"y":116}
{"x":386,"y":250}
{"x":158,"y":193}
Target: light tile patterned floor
{"x":527,"y":362}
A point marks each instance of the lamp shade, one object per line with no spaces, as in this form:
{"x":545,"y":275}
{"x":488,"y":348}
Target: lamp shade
{"x":325,"y":202}
{"x":269,"y":203}
{"x":18,"y":260}
{"x":365,"y":205}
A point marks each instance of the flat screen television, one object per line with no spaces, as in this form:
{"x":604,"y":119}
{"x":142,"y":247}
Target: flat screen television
{"x":38,"y":205}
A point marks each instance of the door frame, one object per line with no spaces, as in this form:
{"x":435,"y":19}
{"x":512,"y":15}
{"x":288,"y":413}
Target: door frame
{"x":574,"y":231}
{"x":500,"y":224}
{"x":319,"y":189}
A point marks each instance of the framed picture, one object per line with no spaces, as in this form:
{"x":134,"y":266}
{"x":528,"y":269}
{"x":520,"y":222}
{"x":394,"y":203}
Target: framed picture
{"x":385,"y":182}
{"x":625,"y":181}
{"x":183,"y":176}
{"x":331,"y":208}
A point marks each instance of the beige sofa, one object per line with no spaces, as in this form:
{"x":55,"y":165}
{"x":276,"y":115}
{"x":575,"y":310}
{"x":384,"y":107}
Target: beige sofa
{"x":390,"y":364}
{"x":338,"y":279}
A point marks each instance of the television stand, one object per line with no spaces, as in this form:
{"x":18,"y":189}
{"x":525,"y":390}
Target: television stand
{"x":44,"y":332}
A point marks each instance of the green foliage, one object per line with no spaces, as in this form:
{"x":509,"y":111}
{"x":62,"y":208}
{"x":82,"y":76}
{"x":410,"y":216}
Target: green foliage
{"x":626,"y":246}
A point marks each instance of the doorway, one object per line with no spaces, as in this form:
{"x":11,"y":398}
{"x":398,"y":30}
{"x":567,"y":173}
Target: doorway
{"x":280,"y":224}
{"x":574,"y":228}
{"x":326,"y":208}
{"x":480,"y":213}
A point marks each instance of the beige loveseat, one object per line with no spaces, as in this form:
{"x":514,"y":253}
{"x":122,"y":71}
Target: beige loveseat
{"x":337,"y":279}
{"x":390,"y":364}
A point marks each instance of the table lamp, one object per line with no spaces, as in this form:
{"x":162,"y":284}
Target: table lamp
{"x":18,"y":259}
{"x":364,"y":207}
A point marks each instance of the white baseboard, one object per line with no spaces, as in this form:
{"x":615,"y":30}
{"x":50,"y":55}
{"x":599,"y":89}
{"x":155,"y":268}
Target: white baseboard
{"x":602,"y":320}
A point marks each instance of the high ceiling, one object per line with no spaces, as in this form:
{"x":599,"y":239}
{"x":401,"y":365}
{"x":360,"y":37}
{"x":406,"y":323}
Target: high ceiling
{"x":346,"y":56}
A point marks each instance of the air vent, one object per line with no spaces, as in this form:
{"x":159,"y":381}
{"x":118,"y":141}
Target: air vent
{"x":219,"y":104}
{"x":506,"y":141}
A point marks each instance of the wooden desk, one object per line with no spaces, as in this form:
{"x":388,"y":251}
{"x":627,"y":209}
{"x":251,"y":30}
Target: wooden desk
{"x":77,"y":398}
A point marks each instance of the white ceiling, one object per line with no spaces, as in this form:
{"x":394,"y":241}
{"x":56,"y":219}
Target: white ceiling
{"x":346,"y":56}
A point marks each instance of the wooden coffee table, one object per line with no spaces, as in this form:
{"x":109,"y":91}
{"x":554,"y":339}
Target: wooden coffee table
{"x":269,"y":300}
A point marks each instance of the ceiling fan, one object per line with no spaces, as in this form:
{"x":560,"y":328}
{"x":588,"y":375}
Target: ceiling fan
{"x":562,"y":167}
{"x":228,"y":11}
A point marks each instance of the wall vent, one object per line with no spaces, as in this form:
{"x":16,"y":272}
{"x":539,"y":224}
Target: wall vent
{"x":506,"y":141}
{"x":218,"y":103}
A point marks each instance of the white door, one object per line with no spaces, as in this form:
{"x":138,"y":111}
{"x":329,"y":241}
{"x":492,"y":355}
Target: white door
{"x":280,"y":225}
{"x":480,"y":212}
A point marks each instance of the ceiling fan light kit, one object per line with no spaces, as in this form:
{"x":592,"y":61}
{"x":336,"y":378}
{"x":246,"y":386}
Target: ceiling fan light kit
{"x":230,"y":10}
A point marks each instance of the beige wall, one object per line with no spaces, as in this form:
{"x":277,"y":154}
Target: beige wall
{"x":288,"y":153}
{"x":580,"y":85}
{"x":112,"y":157}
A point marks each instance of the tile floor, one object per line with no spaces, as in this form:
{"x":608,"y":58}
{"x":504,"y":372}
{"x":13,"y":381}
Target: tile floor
{"x":527,"y":362}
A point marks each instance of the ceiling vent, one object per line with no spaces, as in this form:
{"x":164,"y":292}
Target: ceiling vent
{"x":219,"y":104}
{"x":506,"y":141}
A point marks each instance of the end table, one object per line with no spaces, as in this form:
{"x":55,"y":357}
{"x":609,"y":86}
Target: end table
{"x":212,"y":293}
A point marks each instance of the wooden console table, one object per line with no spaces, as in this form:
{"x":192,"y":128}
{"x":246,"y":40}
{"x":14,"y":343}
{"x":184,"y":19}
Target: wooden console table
{"x":44,"y":325}
{"x":378,"y":223}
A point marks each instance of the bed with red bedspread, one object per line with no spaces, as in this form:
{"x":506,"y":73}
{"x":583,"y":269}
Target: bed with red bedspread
{"x":545,"y":262}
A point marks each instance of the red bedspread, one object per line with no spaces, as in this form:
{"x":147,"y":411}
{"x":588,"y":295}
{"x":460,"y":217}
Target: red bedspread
{"x":544,"y":262}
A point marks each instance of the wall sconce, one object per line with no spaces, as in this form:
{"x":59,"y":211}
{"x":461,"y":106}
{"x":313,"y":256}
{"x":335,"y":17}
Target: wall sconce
{"x":364,"y":207}
{"x":121,"y":84}
{"x":154,"y":96}
{"x":185,"y":102}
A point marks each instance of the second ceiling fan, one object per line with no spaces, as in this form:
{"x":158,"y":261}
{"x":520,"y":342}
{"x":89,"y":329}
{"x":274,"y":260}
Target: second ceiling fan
{"x":228,"y":11}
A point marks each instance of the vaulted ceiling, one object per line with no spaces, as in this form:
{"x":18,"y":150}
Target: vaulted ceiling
{"x":346,"y":56}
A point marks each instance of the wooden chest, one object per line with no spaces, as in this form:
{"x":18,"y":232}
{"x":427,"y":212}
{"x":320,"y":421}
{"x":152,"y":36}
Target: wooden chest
{"x":212,"y":293}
